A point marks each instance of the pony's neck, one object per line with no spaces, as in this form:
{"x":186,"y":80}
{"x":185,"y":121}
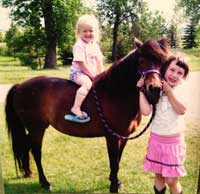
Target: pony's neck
{"x":121,"y":77}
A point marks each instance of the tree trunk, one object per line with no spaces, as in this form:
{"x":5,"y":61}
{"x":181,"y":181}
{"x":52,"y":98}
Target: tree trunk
{"x":51,"y":39}
{"x":115,"y":36}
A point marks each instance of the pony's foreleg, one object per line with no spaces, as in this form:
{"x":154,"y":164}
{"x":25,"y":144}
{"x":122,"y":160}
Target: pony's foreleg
{"x":122,"y":144}
{"x":113,"y":153}
{"x":37,"y":154}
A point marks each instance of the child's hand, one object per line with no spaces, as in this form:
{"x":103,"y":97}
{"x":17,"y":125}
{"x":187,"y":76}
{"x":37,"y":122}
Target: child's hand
{"x":140,"y":83}
{"x":166,"y":87}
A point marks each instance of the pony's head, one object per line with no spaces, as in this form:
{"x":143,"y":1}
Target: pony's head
{"x":146,"y":60}
{"x":151,"y":55}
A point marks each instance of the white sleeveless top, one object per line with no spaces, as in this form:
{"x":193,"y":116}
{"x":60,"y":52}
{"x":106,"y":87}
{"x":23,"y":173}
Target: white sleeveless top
{"x":166,"y":120}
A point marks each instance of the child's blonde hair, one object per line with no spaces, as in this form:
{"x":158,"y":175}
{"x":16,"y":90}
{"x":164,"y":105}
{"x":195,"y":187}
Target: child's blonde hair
{"x":88,"y":20}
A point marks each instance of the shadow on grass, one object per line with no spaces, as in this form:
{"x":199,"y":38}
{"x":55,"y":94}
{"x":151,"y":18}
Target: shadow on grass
{"x":34,"y":188}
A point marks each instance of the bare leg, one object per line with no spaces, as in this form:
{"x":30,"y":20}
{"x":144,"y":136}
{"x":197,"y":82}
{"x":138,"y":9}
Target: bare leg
{"x":159,"y":182}
{"x":80,"y":97}
{"x":174,"y":185}
{"x":85,"y":83}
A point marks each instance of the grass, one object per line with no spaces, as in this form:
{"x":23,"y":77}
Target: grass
{"x":80,"y":165}
{"x":192,"y":56}
{"x":12,"y":72}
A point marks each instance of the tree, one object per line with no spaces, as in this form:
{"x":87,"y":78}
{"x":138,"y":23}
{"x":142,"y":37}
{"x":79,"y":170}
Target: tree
{"x":55,"y":16}
{"x":1,"y":37}
{"x":150,"y":24}
{"x":191,"y":8}
{"x":189,"y":37}
{"x":115,"y":13}
{"x":11,"y":37}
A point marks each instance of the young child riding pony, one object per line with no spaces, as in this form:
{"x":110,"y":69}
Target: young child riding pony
{"x":87,"y":63}
{"x":166,"y":149}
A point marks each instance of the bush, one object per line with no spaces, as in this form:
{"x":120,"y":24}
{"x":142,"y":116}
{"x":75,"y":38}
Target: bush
{"x":27,"y":59}
{"x":3,"y":49}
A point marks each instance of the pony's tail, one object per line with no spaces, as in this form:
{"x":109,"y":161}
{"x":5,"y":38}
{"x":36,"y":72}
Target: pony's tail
{"x":16,"y":129}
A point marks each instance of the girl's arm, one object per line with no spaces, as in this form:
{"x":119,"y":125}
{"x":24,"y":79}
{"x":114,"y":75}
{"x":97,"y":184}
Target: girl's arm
{"x":177,"y":105}
{"x":99,"y":58}
{"x":145,"y":107}
{"x":100,"y":67}
{"x":84,"y":68}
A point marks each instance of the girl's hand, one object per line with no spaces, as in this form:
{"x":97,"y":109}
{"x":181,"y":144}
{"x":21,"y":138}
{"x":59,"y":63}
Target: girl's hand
{"x":166,"y":87}
{"x":140,"y":83}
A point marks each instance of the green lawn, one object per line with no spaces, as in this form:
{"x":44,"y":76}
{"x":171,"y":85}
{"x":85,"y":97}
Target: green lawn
{"x":12,"y":72}
{"x":192,"y":56}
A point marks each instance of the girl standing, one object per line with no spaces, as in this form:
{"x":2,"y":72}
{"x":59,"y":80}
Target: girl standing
{"x":166,"y":149}
{"x":87,"y":63}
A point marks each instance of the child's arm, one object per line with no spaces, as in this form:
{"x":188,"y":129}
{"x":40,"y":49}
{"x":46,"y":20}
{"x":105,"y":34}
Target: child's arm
{"x":84,"y":68}
{"x":100,"y":67}
{"x":177,"y":105}
{"x":145,"y":107}
{"x":99,"y":58}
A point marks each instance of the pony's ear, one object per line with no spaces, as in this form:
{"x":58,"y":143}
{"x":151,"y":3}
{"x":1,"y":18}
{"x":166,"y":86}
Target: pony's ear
{"x":137,"y":42}
{"x":163,"y":42}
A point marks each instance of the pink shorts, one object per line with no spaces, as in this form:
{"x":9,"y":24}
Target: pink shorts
{"x":165,"y":156}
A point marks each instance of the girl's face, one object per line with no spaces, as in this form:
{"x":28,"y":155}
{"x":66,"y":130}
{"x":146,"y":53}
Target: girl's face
{"x":87,"y":34}
{"x":174,"y":74}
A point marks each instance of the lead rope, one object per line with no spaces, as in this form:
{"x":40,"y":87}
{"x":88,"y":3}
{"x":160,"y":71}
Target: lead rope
{"x":107,"y":127}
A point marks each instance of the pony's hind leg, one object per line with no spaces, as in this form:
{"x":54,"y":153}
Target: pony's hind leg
{"x":26,"y":159}
{"x":36,"y":146}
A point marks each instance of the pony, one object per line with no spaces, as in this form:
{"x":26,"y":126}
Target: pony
{"x":42,"y":101}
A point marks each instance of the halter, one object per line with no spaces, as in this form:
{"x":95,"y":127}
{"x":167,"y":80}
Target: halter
{"x":144,"y":73}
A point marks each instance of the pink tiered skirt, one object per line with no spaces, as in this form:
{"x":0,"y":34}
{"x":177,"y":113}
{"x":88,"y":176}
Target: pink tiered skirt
{"x":165,"y":156}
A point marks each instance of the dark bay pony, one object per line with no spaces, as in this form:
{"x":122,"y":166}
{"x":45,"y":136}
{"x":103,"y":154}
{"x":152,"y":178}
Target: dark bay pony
{"x":42,"y":101}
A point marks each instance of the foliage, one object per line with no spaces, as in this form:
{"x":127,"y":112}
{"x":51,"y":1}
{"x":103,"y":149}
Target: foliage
{"x":1,"y":37}
{"x":189,"y":37}
{"x":11,"y":39}
{"x":191,"y":8}
{"x":150,"y":24}
{"x":3,"y":49}
{"x":122,"y":20}
{"x":56,"y":17}
{"x":116,"y":13}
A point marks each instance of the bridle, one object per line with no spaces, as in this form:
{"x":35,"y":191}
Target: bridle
{"x":144,"y":73}
{"x":105,"y":123}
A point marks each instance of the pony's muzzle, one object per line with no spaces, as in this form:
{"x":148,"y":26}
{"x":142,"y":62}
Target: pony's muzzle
{"x":153,"y":93}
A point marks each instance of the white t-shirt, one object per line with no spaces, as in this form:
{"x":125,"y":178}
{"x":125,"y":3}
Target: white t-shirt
{"x":89,"y":53}
{"x":166,"y":120}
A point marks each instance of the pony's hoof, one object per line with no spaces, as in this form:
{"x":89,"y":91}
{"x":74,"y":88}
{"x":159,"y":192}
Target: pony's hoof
{"x":120,"y":185}
{"x":28,"y":175}
{"x":47,"y":187}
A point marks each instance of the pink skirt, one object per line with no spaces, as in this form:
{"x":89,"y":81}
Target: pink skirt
{"x":165,"y":156}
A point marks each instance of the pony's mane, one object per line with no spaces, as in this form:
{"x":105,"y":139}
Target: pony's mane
{"x":120,"y":75}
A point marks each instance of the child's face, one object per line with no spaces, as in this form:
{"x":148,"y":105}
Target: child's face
{"x":174,"y":74}
{"x":87,"y":34}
